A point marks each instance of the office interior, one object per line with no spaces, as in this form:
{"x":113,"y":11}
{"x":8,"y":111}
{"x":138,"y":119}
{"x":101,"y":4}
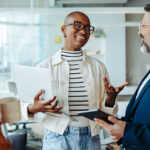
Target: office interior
{"x":30,"y":32}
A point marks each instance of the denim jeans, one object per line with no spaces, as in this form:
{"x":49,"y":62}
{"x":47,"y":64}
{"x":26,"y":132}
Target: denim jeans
{"x":73,"y":139}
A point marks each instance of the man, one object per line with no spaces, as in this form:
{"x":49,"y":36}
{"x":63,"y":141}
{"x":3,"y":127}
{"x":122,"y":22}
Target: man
{"x":77,"y":81}
{"x":134,"y":129}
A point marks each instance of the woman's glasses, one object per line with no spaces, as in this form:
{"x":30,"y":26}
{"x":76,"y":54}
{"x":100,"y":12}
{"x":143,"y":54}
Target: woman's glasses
{"x":79,"y":26}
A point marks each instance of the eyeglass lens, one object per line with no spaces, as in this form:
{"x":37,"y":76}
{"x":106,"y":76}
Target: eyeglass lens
{"x":80,"y":26}
{"x":139,"y":26}
{"x":142,"y":25}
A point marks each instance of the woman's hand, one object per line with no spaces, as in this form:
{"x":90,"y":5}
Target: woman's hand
{"x":41,"y":105}
{"x":112,"y":92}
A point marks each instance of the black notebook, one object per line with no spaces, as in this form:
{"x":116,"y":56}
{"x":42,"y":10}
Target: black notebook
{"x":95,"y":113}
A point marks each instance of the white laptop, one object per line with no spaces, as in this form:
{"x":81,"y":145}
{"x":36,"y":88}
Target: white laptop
{"x":30,"y":80}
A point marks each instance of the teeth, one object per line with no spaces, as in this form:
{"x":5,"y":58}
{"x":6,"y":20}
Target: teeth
{"x":81,"y":37}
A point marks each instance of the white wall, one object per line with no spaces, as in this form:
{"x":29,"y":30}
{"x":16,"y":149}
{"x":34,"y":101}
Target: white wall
{"x":115,"y":44}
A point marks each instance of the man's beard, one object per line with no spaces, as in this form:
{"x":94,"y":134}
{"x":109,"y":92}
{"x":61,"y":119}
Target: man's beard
{"x":145,"y":48}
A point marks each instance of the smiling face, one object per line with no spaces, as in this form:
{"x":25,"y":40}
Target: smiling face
{"x":75,"y":39}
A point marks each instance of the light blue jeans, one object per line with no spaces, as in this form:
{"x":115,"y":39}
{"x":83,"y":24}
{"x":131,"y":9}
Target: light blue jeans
{"x":72,"y":139}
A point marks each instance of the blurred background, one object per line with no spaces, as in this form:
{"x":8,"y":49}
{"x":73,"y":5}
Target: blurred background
{"x":30,"y":32}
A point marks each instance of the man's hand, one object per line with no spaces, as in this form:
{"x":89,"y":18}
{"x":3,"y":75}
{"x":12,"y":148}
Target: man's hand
{"x":40,"y":105}
{"x":112,"y":92}
{"x":116,"y":130}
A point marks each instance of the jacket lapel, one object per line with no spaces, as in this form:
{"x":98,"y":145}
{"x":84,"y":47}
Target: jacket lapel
{"x":133,"y":103}
{"x":140,"y":95}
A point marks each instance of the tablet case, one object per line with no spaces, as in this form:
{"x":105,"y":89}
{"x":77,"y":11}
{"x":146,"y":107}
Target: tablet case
{"x":95,"y":113}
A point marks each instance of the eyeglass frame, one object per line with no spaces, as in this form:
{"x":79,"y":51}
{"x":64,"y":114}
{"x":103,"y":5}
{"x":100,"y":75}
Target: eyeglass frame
{"x":84,"y":26}
{"x":140,"y":25}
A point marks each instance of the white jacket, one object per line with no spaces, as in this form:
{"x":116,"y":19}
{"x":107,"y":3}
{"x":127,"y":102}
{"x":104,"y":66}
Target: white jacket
{"x":92,"y":71}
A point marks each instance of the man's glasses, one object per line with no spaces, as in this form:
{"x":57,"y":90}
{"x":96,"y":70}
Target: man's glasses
{"x":79,"y":26}
{"x":142,"y":25}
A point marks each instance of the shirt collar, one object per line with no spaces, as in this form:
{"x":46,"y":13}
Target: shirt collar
{"x":57,"y":59}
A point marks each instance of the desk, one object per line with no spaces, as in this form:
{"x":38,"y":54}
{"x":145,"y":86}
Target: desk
{"x":21,"y":127}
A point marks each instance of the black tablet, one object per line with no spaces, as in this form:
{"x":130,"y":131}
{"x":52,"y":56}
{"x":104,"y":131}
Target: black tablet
{"x":95,"y":113}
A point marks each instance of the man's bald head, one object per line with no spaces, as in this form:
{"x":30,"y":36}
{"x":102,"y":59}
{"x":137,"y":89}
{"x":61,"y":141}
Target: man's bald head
{"x":73,"y":14}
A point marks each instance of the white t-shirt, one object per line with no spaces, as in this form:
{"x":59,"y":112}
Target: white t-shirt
{"x":142,"y":85}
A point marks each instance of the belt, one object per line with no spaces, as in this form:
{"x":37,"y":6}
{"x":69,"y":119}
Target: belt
{"x":78,"y":130}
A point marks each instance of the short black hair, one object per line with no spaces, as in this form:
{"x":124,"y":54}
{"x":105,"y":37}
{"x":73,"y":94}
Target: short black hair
{"x":147,"y":7}
{"x":72,"y":14}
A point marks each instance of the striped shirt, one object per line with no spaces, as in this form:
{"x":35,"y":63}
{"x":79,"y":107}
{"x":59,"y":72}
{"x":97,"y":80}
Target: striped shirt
{"x":77,"y":94}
